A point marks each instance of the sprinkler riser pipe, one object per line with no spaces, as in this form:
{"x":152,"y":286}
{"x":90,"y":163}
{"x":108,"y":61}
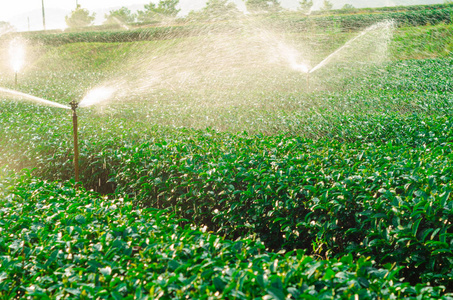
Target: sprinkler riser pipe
{"x":76,"y":146}
{"x":15,"y":78}
{"x":74,"y":106}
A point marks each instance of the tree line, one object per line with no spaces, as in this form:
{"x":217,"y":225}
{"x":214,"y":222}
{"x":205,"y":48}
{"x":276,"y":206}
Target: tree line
{"x":169,"y":9}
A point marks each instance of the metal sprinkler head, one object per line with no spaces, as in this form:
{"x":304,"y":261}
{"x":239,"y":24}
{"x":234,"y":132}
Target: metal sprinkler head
{"x":74,"y":105}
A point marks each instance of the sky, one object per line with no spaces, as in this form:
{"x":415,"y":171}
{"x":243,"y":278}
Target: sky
{"x":20,"y":13}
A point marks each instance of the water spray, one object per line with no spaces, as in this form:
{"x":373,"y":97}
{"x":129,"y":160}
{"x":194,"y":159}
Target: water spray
{"x":17,"y":55}
{"x":303,"y":68}
{"x":74,"y":106}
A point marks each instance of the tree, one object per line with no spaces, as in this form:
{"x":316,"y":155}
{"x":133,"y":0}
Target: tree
{"x":326,"y":5}
{"x":6,"y":27}
{"x":263,"y":5}
{"x":122,"y":15}
{"x":305,"y":5}
{"x":219,"y":7}
{"x":152,"y":12}
{"x":348,"y":7}
{"x":168,"y":8}
{"x":80,"y":17}
{"x":147,"y":15}
{"x":216,"y":9}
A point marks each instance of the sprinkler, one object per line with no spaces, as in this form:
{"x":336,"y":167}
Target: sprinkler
{"x":74,"y":106}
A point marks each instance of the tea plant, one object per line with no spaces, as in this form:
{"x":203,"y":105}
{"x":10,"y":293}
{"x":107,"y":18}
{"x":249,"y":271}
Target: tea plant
{"x":353,"y":179}
{"x":58,"y":241}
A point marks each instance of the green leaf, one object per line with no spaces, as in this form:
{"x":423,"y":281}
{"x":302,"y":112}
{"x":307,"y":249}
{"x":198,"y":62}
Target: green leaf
{"x":415,"y":227}
{"x":75,"y":292}
{"x":219,"y":284}
{"x":262,"y":281}
{"x":3,"y":276}
{"x":80,"y":219}
{"x":329,"y":274}
{"x":275,"y":293}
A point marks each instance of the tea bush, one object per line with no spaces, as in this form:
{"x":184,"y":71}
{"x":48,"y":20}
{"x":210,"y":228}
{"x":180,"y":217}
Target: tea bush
{"x":422,"y":16}
{"x":293,"y":22}
{"x":59,"y":241}
{"x":298,"y":194}
{"x":360,"y":176}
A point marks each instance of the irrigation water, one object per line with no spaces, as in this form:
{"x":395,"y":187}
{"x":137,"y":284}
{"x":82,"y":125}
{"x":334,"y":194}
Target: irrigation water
{"x":23,"y":96}
{"x":17,"y":56}
{"x":382,"y":27}
{"x":222,"y":68}
{"x":216,"y":69}
{"x":97,"y":95}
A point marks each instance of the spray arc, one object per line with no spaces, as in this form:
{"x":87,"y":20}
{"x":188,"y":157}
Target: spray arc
{"x":384,"y":26}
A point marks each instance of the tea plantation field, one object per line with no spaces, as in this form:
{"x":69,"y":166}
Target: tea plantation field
{"x":244,"y":184}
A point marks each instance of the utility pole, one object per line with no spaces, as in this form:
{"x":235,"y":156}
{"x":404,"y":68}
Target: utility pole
{"x":43,"y":15}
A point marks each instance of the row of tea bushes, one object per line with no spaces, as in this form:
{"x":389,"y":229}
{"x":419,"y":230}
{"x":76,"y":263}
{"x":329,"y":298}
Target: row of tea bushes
{"x":286,"y":190}
{"x":390,"y":202}
{"x":295,"y":22}
{"x":59,"y":241}
{"x":422,"y":16}
{"x":386,"y":9}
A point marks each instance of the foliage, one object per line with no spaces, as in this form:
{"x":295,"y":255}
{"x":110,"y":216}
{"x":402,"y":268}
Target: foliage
{"x":358,"y":21}
{"x":326,"y":5}
{"x":323,"y":195}
{"x":436,"y":15}
{"x":216,"y":10}
{"x":164,"y":8}
{"x":122,"y":15}
{"x":362,"y":170}
{"x":5,"y":27}
{"x":348,"y":6}
{"x":278,"y":187}
{"x":403,"y":17}
{"x":258,"y":6}
{"x":386,"y":9}
{"x":168,"y":7}
{"x":148,"y":14}
{"x":305,"y":5}
{"x":80,"y":17}
{"x":115,"y":36}
{"x":60,"y":241}
{"x":429,"y":41}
